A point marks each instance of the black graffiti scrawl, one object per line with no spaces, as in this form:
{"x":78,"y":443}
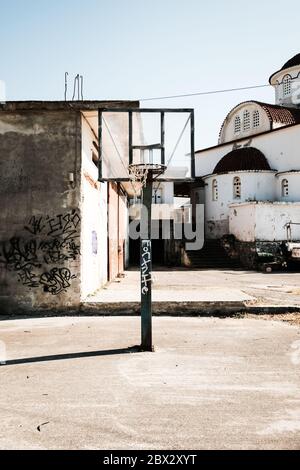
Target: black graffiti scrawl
{"x":39,"y":259}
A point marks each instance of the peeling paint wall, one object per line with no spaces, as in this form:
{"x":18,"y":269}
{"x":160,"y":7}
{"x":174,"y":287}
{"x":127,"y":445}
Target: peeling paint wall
{"x":264,"y":221}
{"x":40,"y":217}
{"x":94,"y":253}
{"x":254,"y":185}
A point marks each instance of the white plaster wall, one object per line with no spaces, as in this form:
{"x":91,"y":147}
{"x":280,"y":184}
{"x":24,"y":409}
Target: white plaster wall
{"x":254,"y":185}
{"x":281,"y":148}
{"x":264,"y":221}
{"x":228,"y":133}
{"x":277,"y":80}
{"x":242,"y":221}
{"x":294,"y":187}
{"x":94,"y":219}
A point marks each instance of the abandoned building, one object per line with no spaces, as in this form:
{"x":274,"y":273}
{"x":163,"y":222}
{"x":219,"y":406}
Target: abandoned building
{"x":251,"y":179}
{"x":63,"y":233}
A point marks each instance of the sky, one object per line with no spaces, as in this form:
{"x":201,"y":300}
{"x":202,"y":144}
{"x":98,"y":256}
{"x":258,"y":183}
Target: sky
{"x":135,"y":49}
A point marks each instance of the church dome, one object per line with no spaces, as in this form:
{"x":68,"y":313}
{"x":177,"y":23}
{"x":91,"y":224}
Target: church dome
{"x":243,"y":159}
{"x":292,"y":62}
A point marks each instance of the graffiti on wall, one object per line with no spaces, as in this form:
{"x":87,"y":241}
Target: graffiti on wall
{"x":39,"y":259}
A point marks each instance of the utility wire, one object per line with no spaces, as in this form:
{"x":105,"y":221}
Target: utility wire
{"x":228,"y":90}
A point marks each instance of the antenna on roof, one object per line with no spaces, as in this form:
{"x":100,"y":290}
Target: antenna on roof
{"x":66,"y":84}
{"x":76,"y":83}
{"x":81,"y":87}
{"x":78,"y":87}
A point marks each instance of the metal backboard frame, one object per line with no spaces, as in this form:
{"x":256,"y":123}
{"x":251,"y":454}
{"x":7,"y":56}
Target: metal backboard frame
{"x":160,"y":146}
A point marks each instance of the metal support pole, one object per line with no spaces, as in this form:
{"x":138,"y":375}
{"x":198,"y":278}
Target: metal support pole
{"x":193,"y":169}
{"x":146,"y":268}
{"x":130,"y":130}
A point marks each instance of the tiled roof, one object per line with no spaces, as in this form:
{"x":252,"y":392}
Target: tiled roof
{"x":281,"y":114}
{"x":243,"y":159}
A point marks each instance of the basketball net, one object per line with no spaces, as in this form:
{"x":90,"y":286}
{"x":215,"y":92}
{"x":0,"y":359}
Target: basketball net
{"x":138,"y":174}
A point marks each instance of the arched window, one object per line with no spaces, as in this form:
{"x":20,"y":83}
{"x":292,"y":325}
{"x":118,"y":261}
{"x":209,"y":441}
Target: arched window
{"x":284,"y":188}
{"x":246,"y":124}
{"x":236,"y":187}
{"x":287,"y":86}
{"x":215,"y":193}
{"x":237,"y":125}
{"x":256,"y":118}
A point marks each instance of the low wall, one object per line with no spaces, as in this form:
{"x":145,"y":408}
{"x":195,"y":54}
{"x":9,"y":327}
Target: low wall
{"x":264,"y":221}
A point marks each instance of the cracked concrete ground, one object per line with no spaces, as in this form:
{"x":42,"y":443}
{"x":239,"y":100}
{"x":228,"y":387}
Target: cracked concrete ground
{"x":72,"y":383}
{"x":214,"y":285}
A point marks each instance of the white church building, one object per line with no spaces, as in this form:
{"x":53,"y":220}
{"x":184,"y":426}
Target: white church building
{"x":252,"y":177}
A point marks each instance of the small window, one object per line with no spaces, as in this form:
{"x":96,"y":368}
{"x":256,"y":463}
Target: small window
{"x":247,"y":124}
{"x":256,"y":119}
{"x":284,"y":188}
{"x":237,"y":188}
{"x":215,"y":193}
{"x":287,"y":86}
{"x":237,"y":125}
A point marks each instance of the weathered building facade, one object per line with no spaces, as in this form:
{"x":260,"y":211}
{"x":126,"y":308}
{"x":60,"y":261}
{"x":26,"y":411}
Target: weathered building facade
{"x":252,"y":177}
{"x":55,"y":218}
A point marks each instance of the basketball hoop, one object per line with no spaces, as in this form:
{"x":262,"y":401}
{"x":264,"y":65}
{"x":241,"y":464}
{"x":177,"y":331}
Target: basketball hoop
{"x":128,"y":158}
{"x":139,"y":172}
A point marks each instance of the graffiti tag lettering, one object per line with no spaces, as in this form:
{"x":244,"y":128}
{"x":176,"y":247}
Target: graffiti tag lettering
{"x":57,"y":280}
{"x":145,"y":266}
{"x":53,"y":241}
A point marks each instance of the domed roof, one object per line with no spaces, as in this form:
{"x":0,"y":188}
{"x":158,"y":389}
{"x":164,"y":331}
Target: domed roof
{"x":243,"y":159}
{"x":292,"y":62}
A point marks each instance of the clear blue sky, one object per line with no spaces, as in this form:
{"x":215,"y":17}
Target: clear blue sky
{"x":131,"y":49}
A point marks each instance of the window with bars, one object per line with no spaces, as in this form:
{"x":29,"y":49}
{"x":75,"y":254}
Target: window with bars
{"x":215,"y":192}
{"x":287,"y":86}
{"x":256,"y":119}
{"x":246,"y":118}
{"x":236,"y":188}
{"x":237,"y":125}
{"x":284,"y":188}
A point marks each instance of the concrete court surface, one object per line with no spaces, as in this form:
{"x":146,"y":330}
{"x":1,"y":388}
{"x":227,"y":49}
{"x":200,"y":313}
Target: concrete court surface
{"x":211,"y":285}
{"x":211,"y":384}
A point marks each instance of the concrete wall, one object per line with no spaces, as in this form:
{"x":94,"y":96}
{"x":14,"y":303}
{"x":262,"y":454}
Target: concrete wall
{"x":254,"y":185}
{"x":251,"y":222}
{"x":94,"y":253}
{"x":40,"y":215}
